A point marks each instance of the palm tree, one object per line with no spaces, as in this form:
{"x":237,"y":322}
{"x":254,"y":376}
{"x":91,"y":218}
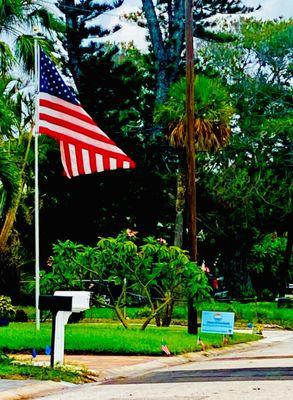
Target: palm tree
{"x":17,"y":17}
{"x":212,"y":112}
{"x":16,"y":136}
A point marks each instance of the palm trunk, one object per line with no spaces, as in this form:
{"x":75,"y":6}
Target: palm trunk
{"x":11,"y":213}
{"x":180,"y":201}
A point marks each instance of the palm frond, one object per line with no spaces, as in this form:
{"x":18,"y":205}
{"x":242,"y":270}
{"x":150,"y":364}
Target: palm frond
{"x":212,"y":112}
{"x":6,"y":58}
{"x":24,"y":46}
{"x":9,"y":176}
{"x":47,"y":20}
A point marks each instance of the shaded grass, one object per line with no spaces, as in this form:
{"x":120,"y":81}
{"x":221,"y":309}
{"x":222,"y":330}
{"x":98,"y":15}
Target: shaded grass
{"x":255,"y":312}
{"x":111,"y":339}
{"x":11,"y":370}
{"x":260,"y":312}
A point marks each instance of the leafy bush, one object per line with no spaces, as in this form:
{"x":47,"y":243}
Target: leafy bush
{"x":268,"y":253}
{"x":7,"y":310}
{"x":159,"y":273}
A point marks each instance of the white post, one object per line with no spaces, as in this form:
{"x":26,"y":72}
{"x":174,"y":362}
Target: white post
{"x":37,"y":230}
{"x":61,"y":320}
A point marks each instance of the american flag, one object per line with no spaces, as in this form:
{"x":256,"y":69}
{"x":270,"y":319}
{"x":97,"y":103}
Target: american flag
{"x":84,"y":147}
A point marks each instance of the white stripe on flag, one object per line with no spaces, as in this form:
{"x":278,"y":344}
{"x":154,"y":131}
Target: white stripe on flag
{"x":113,"y":163}
{"x":58,"y":100}
{"x":73,"y":161}
{"x":99,"y":162}
{"x":63,"y":159}
{"x":86,"y":161}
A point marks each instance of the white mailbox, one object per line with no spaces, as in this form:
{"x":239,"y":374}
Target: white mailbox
{"x":80,"y":299}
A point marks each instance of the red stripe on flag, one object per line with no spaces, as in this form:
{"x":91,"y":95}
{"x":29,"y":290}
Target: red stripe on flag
{"x":75,"y":128}
{"x":106,"y":162}
{"x":93,"y":163}
{"x":58,"y":107}
{"x":79,"y":160}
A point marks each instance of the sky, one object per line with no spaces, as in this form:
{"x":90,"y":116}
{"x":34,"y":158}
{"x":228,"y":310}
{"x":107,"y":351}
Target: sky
{"x":270,"y":9}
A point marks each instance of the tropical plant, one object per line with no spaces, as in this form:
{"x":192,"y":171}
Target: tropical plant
{"x":160,"y":273}
{"x":212,"y":115}
{"x":18,"y":16}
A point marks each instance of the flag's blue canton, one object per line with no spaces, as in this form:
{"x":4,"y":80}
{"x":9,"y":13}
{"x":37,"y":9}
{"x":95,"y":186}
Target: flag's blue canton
{"x":52,"y":83}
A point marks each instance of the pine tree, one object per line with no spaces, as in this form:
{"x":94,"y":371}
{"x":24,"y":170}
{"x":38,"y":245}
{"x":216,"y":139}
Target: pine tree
{"x":77,"y":18}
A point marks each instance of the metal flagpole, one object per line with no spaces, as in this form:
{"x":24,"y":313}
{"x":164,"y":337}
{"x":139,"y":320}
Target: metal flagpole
{"x":37,"y":226}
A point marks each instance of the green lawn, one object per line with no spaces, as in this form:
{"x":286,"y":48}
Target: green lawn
{"x":110,"y":339}
{"x":260,"y":312}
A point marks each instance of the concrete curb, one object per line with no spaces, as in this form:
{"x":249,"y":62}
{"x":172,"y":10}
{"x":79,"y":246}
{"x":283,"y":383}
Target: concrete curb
{"x":131,"y":371}
{"x":37,"y":389}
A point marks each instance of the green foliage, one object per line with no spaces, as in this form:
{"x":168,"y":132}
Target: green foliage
{"x":7,"y":310}
{"x":153,"y":269}
{"x":213,"y":112}
{"x":9,"y":176}
{"x":24,"y":49}
{"x":268,"y":253}
{"x":248,"y":187}
{"x":18,"y":16}
{"x":211,"y":100}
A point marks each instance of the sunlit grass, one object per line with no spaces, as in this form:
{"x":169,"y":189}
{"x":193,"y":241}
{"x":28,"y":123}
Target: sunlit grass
{"x":110,"y":339}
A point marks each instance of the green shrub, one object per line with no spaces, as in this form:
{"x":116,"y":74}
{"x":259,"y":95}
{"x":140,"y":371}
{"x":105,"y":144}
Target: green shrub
{"x":6,"y":308}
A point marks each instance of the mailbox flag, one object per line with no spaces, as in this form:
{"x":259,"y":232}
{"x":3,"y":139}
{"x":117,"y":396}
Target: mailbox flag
{"x":84,"y":147}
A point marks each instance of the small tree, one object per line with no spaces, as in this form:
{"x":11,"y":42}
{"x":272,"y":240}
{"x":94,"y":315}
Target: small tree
{"x":160,"y":273}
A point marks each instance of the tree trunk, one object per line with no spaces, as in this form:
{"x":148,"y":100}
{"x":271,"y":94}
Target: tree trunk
{"x":285,"y":267}
{"x":121,"y":317}
{"x":180,"y":201}
{"x":192,"y":317}
{"x":157,"y":317}
{"x":167,"y":318}
{"x":11,"y":213}
{"x":73,"y":39}
{"x":153,"y":315}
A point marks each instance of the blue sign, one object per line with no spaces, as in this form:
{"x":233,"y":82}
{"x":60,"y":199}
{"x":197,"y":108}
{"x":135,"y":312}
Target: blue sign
{"x":217,"y":322}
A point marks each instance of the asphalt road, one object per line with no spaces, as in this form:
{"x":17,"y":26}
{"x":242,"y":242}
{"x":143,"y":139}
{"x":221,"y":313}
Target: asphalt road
{"x":261,"y":373}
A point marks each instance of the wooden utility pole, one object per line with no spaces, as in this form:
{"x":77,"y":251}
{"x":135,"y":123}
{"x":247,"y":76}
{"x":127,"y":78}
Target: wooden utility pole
{"x":190,"y":153}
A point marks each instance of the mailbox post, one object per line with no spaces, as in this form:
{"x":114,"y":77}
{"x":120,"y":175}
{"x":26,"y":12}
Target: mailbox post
{"x":62,"y":304}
